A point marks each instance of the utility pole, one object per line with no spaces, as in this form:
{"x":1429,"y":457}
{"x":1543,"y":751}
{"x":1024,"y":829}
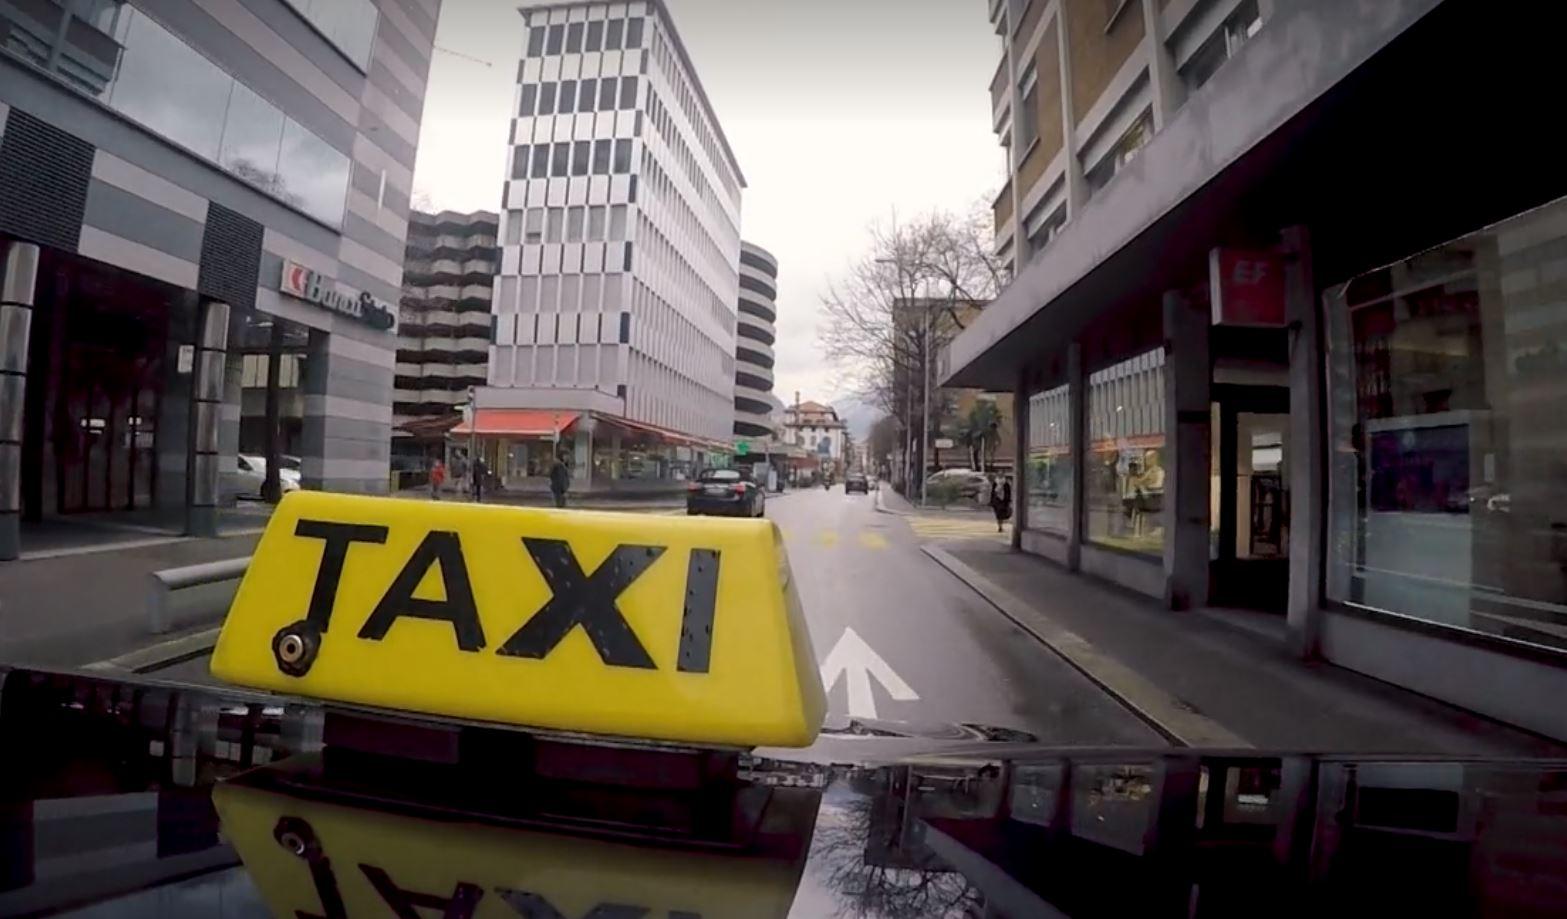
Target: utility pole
{"x":925,"y":440}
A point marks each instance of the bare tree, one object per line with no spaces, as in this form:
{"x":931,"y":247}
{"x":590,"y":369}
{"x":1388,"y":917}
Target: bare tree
{"x":892,"y":312}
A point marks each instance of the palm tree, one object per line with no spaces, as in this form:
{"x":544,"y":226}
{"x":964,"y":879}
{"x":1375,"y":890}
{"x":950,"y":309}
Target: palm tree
{"x":979,"y":431}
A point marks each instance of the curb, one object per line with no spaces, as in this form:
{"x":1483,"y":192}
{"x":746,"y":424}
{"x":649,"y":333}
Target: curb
{"x":161,"y":655}
{"x":884,"y":509}
{"x":1155,"y":707}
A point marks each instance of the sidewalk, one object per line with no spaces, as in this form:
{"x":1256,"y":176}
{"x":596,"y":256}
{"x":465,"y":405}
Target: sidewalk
{"x":1207,"y":682}
{"x":74,"y":609}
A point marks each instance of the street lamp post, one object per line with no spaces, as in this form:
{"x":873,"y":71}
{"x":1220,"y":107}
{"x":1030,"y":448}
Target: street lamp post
{"x":925,"y":421}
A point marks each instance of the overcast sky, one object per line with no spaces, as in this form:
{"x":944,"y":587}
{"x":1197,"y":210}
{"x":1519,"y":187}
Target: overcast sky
{"x":840,"y":112}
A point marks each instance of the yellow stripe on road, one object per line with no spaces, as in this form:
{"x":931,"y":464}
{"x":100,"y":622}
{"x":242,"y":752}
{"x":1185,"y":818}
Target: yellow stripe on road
{"x":930,"y":527}
{"x":827,"y":539}
{"x":871,"y":540}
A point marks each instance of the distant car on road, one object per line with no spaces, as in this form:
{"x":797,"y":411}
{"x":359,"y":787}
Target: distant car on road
{"x":856,"y":481}
{"x":725,"y":492}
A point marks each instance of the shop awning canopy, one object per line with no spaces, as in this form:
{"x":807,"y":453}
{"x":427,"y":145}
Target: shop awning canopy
{"x":518,"y":422}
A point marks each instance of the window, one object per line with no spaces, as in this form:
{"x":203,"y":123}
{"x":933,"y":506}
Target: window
{"x":601,"y":151}
{"x":628,"y":92}
{"x":625,"y":328}
{"x":513,"y":228}
{"x":587,"y":95}
{"x":536,"y":41}
{"x":557,"y":37}
{"x":579,"y":158}
{"x":533,"y":225}
{"x":595,"y":39}
{"x":1124,"y":482}
{"x":622,"y":156}
{"x":348,"y":24}
{"x":1049,"y":462}
{"x":1028,"y":118}
{"x":574,"y":38}
{"x":1223,"y":45}
{"x":607,"y":94}
{"x":596,"y":224}
{"x":560,"y":160}
{"x":634,"y":32}
{"x":574,"y":225}
{"x":547,"y":99}
{"x":1447,"y":500}
{"x":530,"y":99}
{"x":613,"y":33}
{"x":519,"y":163}
{"x":617,"y":223}
{"x":1135,"y":138}
{"x":541,"y":162}
{"x":568,"y":97}
{"x":1041,"y":235}
{"x":556,"y":225}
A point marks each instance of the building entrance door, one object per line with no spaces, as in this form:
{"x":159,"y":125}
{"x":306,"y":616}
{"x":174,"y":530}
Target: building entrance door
{"x":1250,"y":517}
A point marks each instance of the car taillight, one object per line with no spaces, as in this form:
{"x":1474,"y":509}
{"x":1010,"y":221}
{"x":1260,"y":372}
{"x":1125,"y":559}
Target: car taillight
{"x":738,"y":489}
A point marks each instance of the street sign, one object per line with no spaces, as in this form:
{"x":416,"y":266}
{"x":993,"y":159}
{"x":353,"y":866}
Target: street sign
{"x":944,"y":443}
{"x":743,"y":448}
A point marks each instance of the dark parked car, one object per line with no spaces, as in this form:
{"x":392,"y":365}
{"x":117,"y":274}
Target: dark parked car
{"x":856,"y":481}
{"x":726,"y":492}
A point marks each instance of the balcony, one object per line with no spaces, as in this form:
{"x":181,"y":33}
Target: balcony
{"x":998,"y":85}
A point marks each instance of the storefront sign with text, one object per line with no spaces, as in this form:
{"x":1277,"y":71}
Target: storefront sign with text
{"x":313,"y":286}
{"x":1247,"y":287}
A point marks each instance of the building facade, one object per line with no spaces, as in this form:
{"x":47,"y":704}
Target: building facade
{"x":443,"y":332}
{"x":818,"y":433}
{"x":615,"y":301}
{"x":755,"y":333}
{"x":1258,"y":363}
{"x":199,"y":202}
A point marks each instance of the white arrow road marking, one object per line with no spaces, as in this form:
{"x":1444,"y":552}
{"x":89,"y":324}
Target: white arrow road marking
{"x":851,"y":656}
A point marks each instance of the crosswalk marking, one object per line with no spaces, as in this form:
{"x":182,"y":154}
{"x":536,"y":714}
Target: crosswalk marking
{"x":927,"y":527}
{"x":871,"y":540}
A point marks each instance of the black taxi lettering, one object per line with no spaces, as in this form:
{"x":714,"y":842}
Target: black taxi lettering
{"x":405,"y":903}
{"x":439,"y":547}
{"x":587,"y":600}
{"x":577,"y":598}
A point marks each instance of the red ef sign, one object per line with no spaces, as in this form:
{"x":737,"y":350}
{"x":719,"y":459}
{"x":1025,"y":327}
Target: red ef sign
{"x":1248,"y":287}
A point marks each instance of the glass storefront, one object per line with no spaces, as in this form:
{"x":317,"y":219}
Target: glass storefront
{"x":1050,"y":461}
{"x":1124,"y":481}
{"x":1448,"y":378}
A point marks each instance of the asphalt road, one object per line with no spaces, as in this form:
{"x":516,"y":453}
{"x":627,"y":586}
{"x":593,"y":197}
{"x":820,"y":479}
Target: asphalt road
{"x":861,"y":570}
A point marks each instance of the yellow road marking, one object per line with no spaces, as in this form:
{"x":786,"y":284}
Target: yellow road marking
{"x":827,"y":538}
{"x":929,"y":527}
{"x":872,"y":540}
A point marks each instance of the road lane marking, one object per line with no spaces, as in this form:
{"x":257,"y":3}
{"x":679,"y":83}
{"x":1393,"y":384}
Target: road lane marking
{"x":1161,"y":710}
{"x":872,"y":540}
{"x":827,"y":539}
{"x":855,"y":660}
{"x":931,"y":527}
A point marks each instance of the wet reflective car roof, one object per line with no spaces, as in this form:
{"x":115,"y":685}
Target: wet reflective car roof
{"x":130,"y":798}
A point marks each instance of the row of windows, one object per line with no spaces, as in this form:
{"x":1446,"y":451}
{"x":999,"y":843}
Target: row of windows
{"x":684,"y":281}
{"x":561,"y":293}
{"x":581,"y":366}
{"x":594,"y":223}
{"x":565,"y":328}
{"x":661,"y":396}
{"x":586,"y":95}
{"x":572,"y":158}
{"x":671,"y":339}
{"x":754,"y":333}
{"x":577,"y":37}
{"x":662,"y":190}
{"x":663,"y":124}
{"x":686,"y":99}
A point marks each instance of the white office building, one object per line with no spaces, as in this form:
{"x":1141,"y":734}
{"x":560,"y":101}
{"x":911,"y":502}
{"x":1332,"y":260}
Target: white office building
{"x":615,"y":304}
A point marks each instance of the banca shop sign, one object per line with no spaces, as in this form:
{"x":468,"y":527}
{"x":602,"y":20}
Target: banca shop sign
{"x":315,"y":287}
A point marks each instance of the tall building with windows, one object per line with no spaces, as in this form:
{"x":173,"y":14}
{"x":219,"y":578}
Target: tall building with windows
{"x":754,"y":337}
{"x":1272,"y":351}
{"x":615,"y":300}
{"x":200,"y":203}
{"x":443,"y":331}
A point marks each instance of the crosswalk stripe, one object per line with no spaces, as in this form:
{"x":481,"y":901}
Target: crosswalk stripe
{"x":872,"y":540}
{"x":948,"y":528}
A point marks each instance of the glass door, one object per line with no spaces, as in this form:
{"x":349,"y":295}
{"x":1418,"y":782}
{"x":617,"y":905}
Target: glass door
{"x":1250,"y":557}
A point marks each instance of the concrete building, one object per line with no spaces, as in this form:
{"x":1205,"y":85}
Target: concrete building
{"x":754,"y":336}
{"x":816,"y":430}
{"x":615,"y":302}
{"x":199,"y":202}
{"x":1274,"y":354}
{"x":443,"y":333}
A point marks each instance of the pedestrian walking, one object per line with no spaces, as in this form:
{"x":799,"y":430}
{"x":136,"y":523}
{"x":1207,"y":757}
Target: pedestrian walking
{"x":560,"y":480}
{"x":437,"y":479}
{"x":479,"y":469}
{"x":1001,"y":500}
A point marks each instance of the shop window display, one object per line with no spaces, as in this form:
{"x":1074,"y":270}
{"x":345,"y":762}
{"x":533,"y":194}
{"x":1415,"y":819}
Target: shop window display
{"x":1125,"y":478}
{"x":1050,"y":462}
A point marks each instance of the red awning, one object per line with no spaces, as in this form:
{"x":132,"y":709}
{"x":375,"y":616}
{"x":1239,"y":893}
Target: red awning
{"x":518,"y":422}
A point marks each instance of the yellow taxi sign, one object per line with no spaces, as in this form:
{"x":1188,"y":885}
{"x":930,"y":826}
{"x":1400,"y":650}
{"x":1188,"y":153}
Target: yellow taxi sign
{"x":317,"y":858}
{"x":666,"y":628}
